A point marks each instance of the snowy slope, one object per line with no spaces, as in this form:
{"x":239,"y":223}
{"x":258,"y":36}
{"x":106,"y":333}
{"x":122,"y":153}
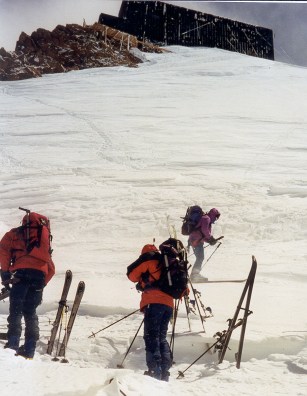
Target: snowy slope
{"x":108,"y":154}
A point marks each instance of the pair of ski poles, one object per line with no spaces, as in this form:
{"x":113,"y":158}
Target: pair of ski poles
{"x":219,"y":244}
{"x":121,"y":365}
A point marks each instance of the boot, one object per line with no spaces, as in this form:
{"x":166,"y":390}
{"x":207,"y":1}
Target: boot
{"x":153,"y":374}
{"x":12,"y":343}
{"x":28,"y":349}
{"x":165,"y":376}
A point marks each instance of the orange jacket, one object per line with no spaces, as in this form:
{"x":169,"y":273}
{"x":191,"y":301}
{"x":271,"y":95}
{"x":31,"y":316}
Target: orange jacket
{"x":145,"y":273}
{"x":13,"y":255}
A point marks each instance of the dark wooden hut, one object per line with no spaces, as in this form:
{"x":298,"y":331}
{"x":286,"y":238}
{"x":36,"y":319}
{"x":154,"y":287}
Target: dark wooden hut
{"x":166,"y":24}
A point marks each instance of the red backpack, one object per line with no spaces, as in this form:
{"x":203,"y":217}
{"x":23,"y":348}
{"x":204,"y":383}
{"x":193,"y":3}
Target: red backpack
{"x":37,"y":235}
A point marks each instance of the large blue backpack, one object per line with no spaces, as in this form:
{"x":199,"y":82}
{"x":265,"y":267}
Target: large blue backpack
{"x":191,"y":219}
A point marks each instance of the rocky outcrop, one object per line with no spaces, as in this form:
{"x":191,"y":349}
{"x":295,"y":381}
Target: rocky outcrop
{"x":70,"y":47}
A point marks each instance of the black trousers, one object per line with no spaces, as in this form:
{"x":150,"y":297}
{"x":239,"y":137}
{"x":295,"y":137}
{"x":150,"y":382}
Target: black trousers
{"x":25,"y":296}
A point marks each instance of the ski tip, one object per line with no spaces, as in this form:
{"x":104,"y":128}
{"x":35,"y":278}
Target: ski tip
{"x":254,"y":262}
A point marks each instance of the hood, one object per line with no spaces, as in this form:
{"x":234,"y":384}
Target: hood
{"x":149,"y":248}
{"x":214,"y":214}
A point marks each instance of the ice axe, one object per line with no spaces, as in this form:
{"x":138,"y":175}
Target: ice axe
{"x":28,"y":211}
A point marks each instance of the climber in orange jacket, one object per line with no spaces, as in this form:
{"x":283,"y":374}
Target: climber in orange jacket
{"x":157,"y":307}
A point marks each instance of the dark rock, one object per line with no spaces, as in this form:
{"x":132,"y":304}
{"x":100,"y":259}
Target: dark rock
{"x":70,"y":47}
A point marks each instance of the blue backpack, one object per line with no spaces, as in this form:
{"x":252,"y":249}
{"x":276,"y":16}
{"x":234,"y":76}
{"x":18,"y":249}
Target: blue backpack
{"x":191,"y":219}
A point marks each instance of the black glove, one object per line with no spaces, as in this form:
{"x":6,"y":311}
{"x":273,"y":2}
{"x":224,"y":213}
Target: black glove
{"x":6,"y":277}
{"x":212,"y":241}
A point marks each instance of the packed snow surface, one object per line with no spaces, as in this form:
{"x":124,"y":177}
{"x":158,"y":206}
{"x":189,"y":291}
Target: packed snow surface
{"x":108,"y":155}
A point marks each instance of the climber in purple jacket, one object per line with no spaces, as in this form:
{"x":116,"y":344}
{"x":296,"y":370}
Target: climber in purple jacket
{"x":197,"y":238}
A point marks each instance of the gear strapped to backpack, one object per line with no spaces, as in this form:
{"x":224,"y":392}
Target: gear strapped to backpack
{"x":191,"y":219}
{"x":35,"y":231}
{"x":172,"y":267}
{"x":174,"y":271}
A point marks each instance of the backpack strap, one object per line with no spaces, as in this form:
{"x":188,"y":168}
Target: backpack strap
{"x":147,"y":282}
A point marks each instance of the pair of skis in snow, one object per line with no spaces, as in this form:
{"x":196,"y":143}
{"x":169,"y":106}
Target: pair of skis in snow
{"x":62,"y":309}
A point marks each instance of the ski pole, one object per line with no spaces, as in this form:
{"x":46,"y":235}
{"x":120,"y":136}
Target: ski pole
{"x":175,"y":314}
{"x":121,"y":365}
{"x":93,"y":334}
{"x":221,"y":338}
{"x":219,"y":244}
{"x":65,"y":340}
{"x":217,"y":239}
{"x":64,"y":311}
{"x":194,"y":253}
{"x":181,"y":373}
{"x":186,"y":303}
{"x":197,"y":305}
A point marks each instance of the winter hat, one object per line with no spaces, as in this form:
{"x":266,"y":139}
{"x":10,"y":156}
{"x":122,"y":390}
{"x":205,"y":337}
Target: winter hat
{"x":149,"y":248}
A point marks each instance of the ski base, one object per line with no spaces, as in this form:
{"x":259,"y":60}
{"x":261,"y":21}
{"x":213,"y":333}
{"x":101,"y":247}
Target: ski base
{"x":226,"y":281}
{"x":72,"y":317}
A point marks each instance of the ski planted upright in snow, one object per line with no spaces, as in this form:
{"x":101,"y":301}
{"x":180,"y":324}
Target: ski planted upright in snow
{"x":72,"y":317}
{"x":62,"y":305}
{"x":246,"y":295}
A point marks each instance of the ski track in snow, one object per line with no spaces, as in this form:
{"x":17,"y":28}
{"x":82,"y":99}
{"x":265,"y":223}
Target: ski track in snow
{"x":108,"y":154}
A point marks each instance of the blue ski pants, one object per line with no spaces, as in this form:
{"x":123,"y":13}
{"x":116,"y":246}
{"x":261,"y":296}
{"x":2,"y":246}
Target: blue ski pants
{"x":199,"y":258}
{"x":158,"y":353}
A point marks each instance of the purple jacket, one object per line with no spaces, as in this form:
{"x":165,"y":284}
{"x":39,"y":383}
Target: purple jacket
{"x":202,"y":232}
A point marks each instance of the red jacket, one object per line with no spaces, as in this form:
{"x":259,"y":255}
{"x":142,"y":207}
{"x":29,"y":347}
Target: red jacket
{"x":13,"y":255}
{"x":145,"y":273}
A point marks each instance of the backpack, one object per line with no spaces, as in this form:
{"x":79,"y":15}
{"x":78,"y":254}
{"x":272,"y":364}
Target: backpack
{"x":191,"y":219}
{"x":35,"y":231}
{"x":174,"y":271}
